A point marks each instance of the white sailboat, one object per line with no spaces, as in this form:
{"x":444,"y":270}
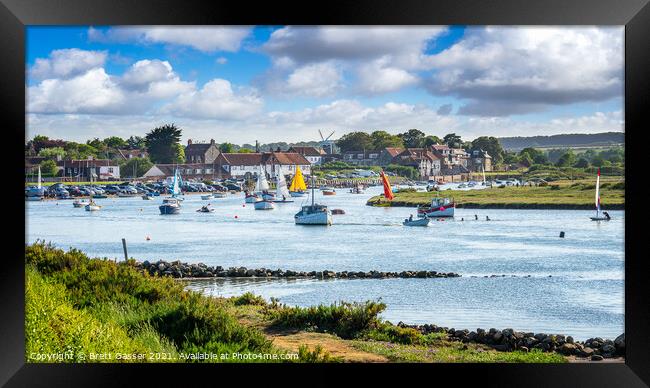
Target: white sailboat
{"x":36,"y":193}
{"x":313,"y":214}
{"x":262,"y":189}
{"x":172,"y":205}
{"x":605,"y":216}
{"x":92,"y":206}
{"x":282,"y":192}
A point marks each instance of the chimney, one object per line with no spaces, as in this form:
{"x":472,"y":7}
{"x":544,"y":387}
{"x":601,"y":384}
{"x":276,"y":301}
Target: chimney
{"x":257,"y":146}
{"x":189,"y":141}
{"x":211,"y":141}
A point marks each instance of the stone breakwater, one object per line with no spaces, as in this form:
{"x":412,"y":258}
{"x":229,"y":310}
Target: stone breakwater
{"x":509,"y":340}
{"x":178,"y":269}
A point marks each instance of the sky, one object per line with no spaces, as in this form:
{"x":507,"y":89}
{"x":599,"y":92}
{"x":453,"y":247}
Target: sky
{"x":240,"y":84}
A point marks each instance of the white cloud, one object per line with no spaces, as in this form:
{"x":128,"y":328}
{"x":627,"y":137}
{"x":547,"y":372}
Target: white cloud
{"x":66,"y":63}
{"x":510,"y":70}
{"x":203,"y":38}
{"x":379,"y":77}
{"x":216,"y":100}
{"x":221,"y":60}
{"x":154,"y":78}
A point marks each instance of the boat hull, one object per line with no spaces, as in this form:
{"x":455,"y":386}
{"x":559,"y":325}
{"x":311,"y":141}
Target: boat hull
{"x":320,"y":218}
{"x":219,"y":195}
{"x":599,"y":218}
{"x":169,"y":209}
{"x":206,"y":197}
{"x":298,"y":193}
{"x":252,"y":199}
{"x":264,"y":205}
{"x":326,"y":192}
{"x":92,"y":208}
{"x":33,"y":198}
{"x":442,"y":211}
{"x":420,"y":222}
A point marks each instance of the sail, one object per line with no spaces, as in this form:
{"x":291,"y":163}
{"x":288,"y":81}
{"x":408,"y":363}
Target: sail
{"x":483,"y":170}
{"x":298,"y":182}
{"x":598,"y":192}
{"x":176,"y":190}
{"x":39,"y":177}
{"x":388,"y":192}
{"x":262,"y":184}
{"x":282,"y":190}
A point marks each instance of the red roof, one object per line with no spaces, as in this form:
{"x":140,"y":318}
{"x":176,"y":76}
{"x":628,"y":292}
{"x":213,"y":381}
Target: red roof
{"x":307,"y":151}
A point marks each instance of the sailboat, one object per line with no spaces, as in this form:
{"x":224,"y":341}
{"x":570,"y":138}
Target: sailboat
{"x":262,"y":189}
{"x":298,"y":187}
{"x":483,"y":171}
{"x":313,"y":214}
{"x":172,"y":205}
{"x":36,"y":193}
{"x":281,"y":192}
{"x":605,"y":216}
{"x":92,"y":206}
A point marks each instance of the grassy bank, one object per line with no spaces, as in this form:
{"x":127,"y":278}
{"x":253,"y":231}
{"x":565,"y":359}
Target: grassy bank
{"x":96,"y":310}
{"x":557,"y":195}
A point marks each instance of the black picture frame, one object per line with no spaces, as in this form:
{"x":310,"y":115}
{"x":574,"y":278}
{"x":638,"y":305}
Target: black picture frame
{"x":634,"y":14}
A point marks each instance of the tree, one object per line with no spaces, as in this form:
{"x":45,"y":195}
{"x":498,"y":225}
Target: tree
{"x":163,"y":144}
{"x":139,"y":166}
{"x":226,"y":148}
{"x":355,"y":141}
{"x":537,"y":156}
{"x":567,"y":160}
{"x":431,"y":140}
{"x":180,"y":154}
{"x":526,"y":160}
{"x":52,"y":153}
{"x":598,"y":161}
{"x":453,"y":141}
{"x":135,"y":142}
{"x":413,"y":138}
{"x":582,"y":163}
{"x":97,"y":144}
{"x":383,"y":139}
{"x":492,"y":146}
{"x":115,"y":142}
{"x":48,"y":167}
{"x":245,"y":151}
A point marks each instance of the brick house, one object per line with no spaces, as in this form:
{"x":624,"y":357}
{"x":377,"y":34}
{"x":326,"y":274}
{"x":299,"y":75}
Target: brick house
{"x":361,"y":158}
{"x":426,"y":162}
{"x":102,"y":169}
{"x":201,"y":152}
{"x":479,"y":158}
{"x":387,"y":155}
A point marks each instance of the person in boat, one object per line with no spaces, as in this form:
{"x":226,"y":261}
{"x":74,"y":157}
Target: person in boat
{"x":607,"y":216}
{"x":476,"y":217}
{"x":487,"y":218}
{"x":411,"y":217}
{"x":284,"y":197}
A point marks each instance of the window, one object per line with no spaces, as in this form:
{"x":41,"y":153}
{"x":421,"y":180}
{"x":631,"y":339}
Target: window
{"x":373,"y":156}
{"x":198,"y":170}
{"x":359,"y":156}
{"x":110,"y":169}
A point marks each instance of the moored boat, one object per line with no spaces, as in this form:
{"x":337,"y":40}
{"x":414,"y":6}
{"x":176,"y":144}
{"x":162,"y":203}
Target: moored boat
{"x":440,"y":207}
{"x":313,"y":214}
{"x":78,"y":203}
{"x":251,"y":198}
{"x":605,"y":216}
{"x":264,"y":205}
{"x":219,"y":194}
{"x":417,"y":222}
{"x":298,"y":188}
{"x":206,"y":197}
{"x":172,"y":205}
{"x":329,"y":191}
{"x":36,"y":193}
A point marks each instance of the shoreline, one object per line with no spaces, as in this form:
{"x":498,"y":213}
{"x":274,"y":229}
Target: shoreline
{"x":520,"y":206}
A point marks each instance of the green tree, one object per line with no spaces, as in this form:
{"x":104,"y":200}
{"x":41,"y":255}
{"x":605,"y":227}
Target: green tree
{"x":510,"y":158}
{"x":97,"y":144}
{"x":226,"y":148}
{"x":526,"y":160}
{"x":245,"y":151}
{"x":383,"y":139}
{"x":163,"y":144}
{"x":567,"y":160}
{"x":180,"y":154}
{"x":355,"y":141}
{"x":492,"y":146}
{"x":52,"y":153}
{"x":582,"y":163}
{"x":115,"y":142}
{"x":135,"y":142}
{"x":598,"y":161}
{"x":453,"y":141}
{"x":48,"y":167}
{"x":413,"y":138}
{"x":135,"y":167}
{"x":431,"y":140}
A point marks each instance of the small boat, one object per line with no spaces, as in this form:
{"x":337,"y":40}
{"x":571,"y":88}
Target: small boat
{"x":298,"y":188}
{"x":313,"y":214}
{"x":92,"y":206}
{"x":605,"y":216}
{"x":338,"y":211}
{"x":264,"y":205}
{"x":78,"y":203}
{"x":147,"y":197}
{"x":206,"y":197}
{"x":251,"y":198}
{"x":36,"y":193}
{"x":205,"y":209}
{"x":219,"y":194}
{"x":298,"y":193}
{"x":268,"y":196}
{"x":440,"y":207}
{"x":282,"y":194}
{"x":357,"y":190}
{"x":462,"y":185}
{"x":101,"y":196}
{"x":170,"y":206}
{"x":418,"y":222}
{"x":328,"y":191}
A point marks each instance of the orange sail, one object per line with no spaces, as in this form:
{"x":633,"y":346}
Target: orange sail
{"x":388,"y":193}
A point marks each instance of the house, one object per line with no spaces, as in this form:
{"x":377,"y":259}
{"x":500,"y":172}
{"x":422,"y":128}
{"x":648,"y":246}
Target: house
{"x":480,"y":159}
{"x":187,"y":170}
{"x":248,"y":164}
{"x":312,"y":154}
{"x":426,"y":162}
{"x":32,"y":163}
{"x":130,"y":154}
{"x":102,"y":169}
{"x":387,"y":155}
{"x":453,"y":173}
{"x":361,"y":158}
{"x":201,"y":152}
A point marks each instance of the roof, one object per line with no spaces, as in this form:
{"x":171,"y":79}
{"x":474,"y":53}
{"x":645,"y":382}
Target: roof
{"x":257,"y":158}
{"x":168,"y":169}
{"x":198,"y":148}
{"x":393,"y":151}
{"x":240,"y":159}
{"x":307,"y":151}
{"x":417,"y":154}
{"x":86,"y":163}
{"x":286,"y":158}
{"x":124,"y":152}
{"x":440,"y":147}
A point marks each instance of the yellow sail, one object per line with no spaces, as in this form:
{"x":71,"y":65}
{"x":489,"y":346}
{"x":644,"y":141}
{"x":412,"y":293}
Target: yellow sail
{"x":298,"y":183}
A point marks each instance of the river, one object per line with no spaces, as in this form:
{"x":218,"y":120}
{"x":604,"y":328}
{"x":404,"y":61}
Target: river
{"x":572,"y":285}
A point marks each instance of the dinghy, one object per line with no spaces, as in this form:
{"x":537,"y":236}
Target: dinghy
{"x":313,"y":214}
{"x":264,"y":205}
{"x":172,"y":205}
{"x":205,"y":209}
{"x":282,"y":194}
{"x":298,"y":188}
{"x":605,"y":216}
{"x":92,"y":206}
{"x":417,"y":222}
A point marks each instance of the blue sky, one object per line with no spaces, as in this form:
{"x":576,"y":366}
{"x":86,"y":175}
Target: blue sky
{"x":283,"y":83}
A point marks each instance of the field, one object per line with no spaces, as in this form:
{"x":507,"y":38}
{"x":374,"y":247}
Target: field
{"x":76,"y":307}
{"x":563,"y":194}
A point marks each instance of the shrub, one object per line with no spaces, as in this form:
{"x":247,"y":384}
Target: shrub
{"x":317,"y":355}
{"x":248,"y":299}
{"x":401,"y":335}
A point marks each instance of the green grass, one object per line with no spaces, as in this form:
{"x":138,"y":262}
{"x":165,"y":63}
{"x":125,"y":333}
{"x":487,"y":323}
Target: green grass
{"x":560,"y":194}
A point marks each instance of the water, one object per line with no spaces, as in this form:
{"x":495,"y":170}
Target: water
{"x":575,"y":286}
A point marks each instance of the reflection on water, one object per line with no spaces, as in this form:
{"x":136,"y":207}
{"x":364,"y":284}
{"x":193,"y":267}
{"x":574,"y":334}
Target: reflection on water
{"x":583,"y":297}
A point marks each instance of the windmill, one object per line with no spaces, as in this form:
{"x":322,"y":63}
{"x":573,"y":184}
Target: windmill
{"x":326,"y":144}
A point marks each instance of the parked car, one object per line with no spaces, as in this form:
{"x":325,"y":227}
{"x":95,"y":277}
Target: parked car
{"x":234,"y":187}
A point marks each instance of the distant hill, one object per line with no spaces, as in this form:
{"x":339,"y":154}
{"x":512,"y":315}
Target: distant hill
{"x":563,"y":141}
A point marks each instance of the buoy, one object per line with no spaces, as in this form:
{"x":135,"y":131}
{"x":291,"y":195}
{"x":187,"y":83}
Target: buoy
{"x":243,"y":205}
{"x":561,"y":234}
{"x":140,"y":209}
{"x":148,"y":238}
{"x":236,"y":217}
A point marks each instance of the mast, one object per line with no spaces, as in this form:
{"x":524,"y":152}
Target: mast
{"x":598,"y":193}
{"x":39,"y":177}
{"x":312,"y":190}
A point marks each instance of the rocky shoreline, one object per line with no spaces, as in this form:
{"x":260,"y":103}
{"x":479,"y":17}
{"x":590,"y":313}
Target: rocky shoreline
{"x":505,"y":340}
{"x":177,"y":269}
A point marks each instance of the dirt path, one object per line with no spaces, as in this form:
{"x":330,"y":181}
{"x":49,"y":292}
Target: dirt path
{"x":332,"y":344}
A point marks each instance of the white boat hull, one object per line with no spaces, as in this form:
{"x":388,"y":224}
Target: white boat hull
{"x":252,"y":199}
{"x":420,"y":222}
{"x":264,"y":205}
{"x":92,"y":208}
{"x":219,"y":195}
{"x":321,"y":218}
{"x":298,"y":193}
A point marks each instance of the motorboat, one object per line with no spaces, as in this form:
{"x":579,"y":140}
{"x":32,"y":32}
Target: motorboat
{"x":440,"y":207}
{"x":92,"y":206}
{"x":170,"y":206}
{"x":328,"y":191}
{"x":219,"y":194}
{"x":205,"y":209}
{"x":314,"y":214}
{"x":264,"y":205}
{"x":416,"y":222}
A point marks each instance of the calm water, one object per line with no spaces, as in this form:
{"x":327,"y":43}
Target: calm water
{"x":583,"y":296}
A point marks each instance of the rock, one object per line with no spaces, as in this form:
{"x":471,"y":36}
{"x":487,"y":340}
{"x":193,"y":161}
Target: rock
{"x":587,"y":352}
{"x":596,"y":357}
{"x":619,"y":343}
{"x":608,"y":349}
{"x":567,"y":349}
{"x":569,"y":339}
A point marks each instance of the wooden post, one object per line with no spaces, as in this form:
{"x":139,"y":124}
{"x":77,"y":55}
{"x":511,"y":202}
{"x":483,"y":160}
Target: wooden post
{"x":126,"y":256}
